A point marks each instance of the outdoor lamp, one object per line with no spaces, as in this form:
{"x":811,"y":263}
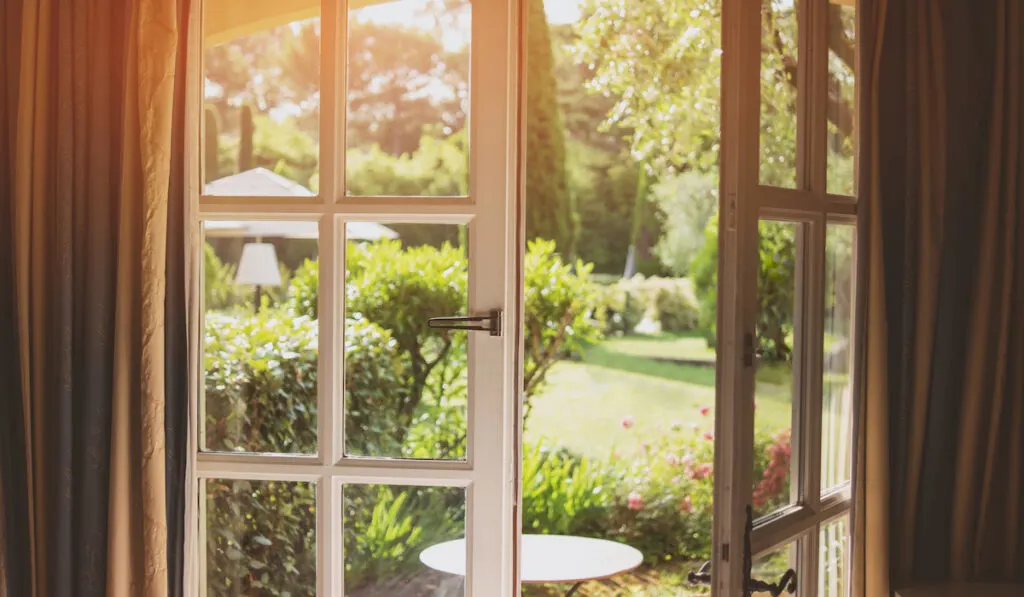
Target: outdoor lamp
{"x":258,"y":267}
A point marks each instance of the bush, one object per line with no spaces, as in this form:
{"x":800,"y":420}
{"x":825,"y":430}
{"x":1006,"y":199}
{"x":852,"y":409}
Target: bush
{"x":667,"y":302}
{"x":564,"y":494}
{"x":261,"y":382}
{"x":658,"y":499}
{"x":622,"y":308}
{"x":775,"y":286}
{"x":560,"y":306}
{"x":675,"y":305}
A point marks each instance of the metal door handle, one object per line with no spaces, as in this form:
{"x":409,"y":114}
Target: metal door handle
{"x":493,"y":323}
{"x":786,"y":584}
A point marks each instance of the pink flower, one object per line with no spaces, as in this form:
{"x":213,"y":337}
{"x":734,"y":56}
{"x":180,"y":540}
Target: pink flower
{"x":709,"y":436}
{"x":672,"y":459}
{"x":701,"y":471}
{"x":635,"y":501}
{"x":626,"y":422}
{"x":616,"y":456}
{"x":695,"y":427}
{"x":688,"y":458}
{"x":686,"y":505}
{"x":704,"y":411}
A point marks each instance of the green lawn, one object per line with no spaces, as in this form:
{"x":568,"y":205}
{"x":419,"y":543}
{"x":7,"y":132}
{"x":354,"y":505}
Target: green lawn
{"x":584,"y":402}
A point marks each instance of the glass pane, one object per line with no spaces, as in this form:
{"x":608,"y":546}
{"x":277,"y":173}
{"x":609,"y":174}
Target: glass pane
{"x":837,"y":383}
{"x":778,"y":92}
{"x":834,"y":557}
{"x":408,"y":98}
{"x":842,"y":109}
{"x":260,"y":340}
{"x":260,"y":538}
{"x":404,"y":541}
{"x":262,"y":93}
{"x":405,"y":383}
{"x":774,"y":414}
{"x":771,"y":566}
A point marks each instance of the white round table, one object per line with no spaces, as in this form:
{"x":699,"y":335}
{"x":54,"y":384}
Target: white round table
{"x":548,"y":559}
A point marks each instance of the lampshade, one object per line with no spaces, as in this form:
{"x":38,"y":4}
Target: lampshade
{"x":258,"y":266}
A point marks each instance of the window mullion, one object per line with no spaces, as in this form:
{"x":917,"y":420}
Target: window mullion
{"x":330,"y":566}
{"x":816,"y":131}
{"x":811,"y":384}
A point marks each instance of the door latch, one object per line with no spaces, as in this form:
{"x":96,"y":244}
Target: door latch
{"x":786,"y":584}
{"x":491,"y":323}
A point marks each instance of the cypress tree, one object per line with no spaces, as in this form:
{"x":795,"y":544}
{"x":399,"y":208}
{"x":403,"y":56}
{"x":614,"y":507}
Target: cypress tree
{"x":211,"y":157}
{"x":548,"y":208}
{"x":245,"y":147}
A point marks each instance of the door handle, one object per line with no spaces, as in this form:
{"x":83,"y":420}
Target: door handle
{"x":787,"y":583}
{"x":492,"y":323}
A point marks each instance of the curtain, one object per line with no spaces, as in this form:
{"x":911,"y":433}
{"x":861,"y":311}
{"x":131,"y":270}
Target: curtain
{"x":941,"y":462}
{"x":92,"y":366}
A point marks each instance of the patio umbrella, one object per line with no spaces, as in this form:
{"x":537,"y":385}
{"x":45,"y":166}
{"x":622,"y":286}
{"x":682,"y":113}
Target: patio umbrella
{"x":260,"y":182}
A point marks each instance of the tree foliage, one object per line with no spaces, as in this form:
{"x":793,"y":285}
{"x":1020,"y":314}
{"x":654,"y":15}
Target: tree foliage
{"x":549,"y":214}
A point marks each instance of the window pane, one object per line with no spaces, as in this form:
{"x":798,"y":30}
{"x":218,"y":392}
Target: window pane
{"x":260,"y":340}
{"x":260,"y":538}
{"x":834,"y":557}
{"x":408,"y":98}
{"x":388,"y":530}
{"x":837,"y":383}
{"x":771,"y":566}
{"x":778,"y":92}
{"x":405,"y":384}
{"x":262,"y":93}
{"x":842,"y":109}
{"x":777,"y":339}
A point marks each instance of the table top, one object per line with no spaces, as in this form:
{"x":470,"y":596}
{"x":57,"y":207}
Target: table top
{"x":548,"y":558}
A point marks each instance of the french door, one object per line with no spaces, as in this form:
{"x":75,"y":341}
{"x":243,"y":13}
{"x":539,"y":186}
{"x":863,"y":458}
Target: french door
{"x":289,"y":475}
{"x":788,"y":296}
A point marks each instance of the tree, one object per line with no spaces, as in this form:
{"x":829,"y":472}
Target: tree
{"x":687,"y":202}
{"x":661,"y":61}
{"x":549,"y":213}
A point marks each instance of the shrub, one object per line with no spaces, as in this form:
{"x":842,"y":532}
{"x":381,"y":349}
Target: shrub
{"x":704,"y":270}
{"x":564,"y":494}
{"x":261,"y":538}
{"x":675,"y":305}
{"x":386,"y":528}
{"x":775,"y":286}
{"x":560,"y":305}
{"x":667,"y":302}
{"x":261,"y":382}
{"x":622,"y":308}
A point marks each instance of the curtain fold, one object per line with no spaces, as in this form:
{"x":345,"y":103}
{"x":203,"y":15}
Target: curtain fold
{"x":86,"y":465}
{"x":941,"y":459}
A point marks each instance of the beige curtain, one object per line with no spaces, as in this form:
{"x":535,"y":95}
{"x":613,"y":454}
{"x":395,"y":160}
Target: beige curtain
{"x":941,"y":466}
{"x":95,"y":92}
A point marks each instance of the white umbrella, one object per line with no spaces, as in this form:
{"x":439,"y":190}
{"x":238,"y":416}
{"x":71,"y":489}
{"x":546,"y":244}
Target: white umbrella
{"x":260,"y":182}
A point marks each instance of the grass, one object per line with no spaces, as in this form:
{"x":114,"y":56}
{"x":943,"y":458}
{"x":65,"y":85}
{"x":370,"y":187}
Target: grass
{"x":584,"y":402}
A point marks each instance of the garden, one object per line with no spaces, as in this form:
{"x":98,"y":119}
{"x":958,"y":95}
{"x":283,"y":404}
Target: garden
{"x":620,"y":287}
{"x":648,"y":483}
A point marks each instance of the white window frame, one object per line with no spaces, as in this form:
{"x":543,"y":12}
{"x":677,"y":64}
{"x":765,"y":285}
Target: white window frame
{"x":493,"y":207}
{"x":743,"y":202}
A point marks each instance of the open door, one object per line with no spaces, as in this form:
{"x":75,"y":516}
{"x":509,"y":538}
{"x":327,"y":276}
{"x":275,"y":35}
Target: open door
{"x":787,"y":298}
